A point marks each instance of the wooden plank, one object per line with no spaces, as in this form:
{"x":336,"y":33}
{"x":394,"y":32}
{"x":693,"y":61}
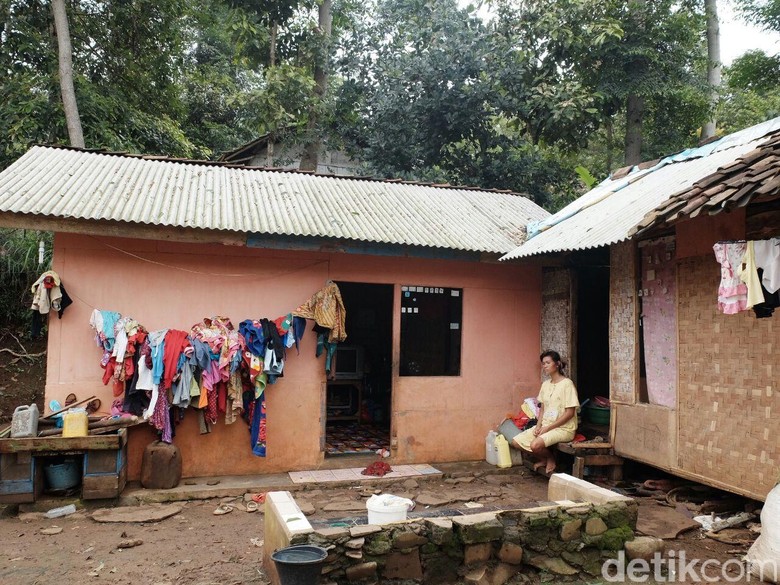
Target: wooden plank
{"x":601,"y":460}
{"x":578,"y":469}
{"x":99,"y":487}
{"x":58,"y":444}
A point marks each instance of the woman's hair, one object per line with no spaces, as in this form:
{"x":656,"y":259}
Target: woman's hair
{"x":555,"y":357}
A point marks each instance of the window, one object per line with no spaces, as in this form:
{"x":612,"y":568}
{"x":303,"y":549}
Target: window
{"x":430,"y":331}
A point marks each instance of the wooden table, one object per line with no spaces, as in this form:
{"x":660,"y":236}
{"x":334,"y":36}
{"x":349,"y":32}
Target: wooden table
{"x":104,"y":465}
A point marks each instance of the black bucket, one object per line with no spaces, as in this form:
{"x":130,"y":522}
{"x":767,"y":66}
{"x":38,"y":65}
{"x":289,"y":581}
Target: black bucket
{"x":300,"y":564}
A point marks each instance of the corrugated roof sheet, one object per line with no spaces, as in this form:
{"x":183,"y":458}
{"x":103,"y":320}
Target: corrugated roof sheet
{"x":609,"y":213}
{"x":754,"y":177}
{"x":73,"y":183}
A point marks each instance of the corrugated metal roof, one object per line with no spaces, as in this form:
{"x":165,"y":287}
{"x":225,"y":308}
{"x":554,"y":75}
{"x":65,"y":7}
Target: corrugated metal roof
{"x":608,"y":213}
{"x":752,"y":178}
{"x":72,"y":183}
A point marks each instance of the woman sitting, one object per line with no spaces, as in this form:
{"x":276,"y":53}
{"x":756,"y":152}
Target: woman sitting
{"x":557,"y":420}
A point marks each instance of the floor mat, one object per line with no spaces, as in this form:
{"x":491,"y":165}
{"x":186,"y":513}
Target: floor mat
{"x":354,"y":438}
{"x":353,"y":474}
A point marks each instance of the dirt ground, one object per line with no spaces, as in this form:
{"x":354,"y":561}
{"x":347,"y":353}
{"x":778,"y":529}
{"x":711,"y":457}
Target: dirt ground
{"x":198,"y":547}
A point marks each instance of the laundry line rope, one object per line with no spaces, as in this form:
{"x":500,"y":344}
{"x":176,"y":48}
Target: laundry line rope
{"x":205,"y":273}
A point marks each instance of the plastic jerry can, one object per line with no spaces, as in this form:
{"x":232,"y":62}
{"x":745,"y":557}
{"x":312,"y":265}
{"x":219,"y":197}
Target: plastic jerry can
{"x":75,"y":423}
{"x":502,"y":448}
{"x":25,"y":421}
{"x":491,"y":453}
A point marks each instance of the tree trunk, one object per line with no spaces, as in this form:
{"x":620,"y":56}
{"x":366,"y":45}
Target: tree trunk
{"x":269,"y":149}
{"x":635,"y":113}
{"x":713,"y":63}
{"x":311,"y":151}
{"x":67,"y":90}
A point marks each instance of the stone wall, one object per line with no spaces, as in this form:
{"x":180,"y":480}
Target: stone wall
{"x":566,"y":538}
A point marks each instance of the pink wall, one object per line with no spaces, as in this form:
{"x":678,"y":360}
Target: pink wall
{"x":434,"y":419}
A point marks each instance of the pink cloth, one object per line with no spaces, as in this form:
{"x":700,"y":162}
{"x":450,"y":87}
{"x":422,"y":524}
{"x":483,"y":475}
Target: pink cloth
{"x":732,"y":292}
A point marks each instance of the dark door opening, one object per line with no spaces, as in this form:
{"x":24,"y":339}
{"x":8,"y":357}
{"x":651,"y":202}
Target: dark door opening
{"x":359,"y":388}
{"x":593,"y":329}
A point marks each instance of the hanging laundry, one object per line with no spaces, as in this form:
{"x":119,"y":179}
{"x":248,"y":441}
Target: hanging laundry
{"x":767,"y":253}
{"x":771,"y":301}
{"x":326,"y":308}
{"x":732,"y":292}
{"x":749,"y":275}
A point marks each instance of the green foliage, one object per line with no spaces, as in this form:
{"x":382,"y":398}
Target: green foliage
{"x":755,"y":70}
{"x":19,"y":268}
{"x":762,"y":12}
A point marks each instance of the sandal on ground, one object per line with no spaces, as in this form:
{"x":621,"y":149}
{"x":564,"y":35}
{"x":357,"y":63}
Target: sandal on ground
{"x":93,"y":406}
{"x":70,"y":399}
{"x":539,"y":467}
{"x":252,"y":506}
{"x":223,"y":509}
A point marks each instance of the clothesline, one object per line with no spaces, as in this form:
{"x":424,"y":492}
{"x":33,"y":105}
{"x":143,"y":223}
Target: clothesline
{"x":227,"y":275}
{"x":750,"y":276}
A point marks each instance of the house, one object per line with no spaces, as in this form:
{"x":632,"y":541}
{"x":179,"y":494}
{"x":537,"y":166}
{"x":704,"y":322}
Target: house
{"x":442,"y":340}
{"x":263,"y":152}
{"x":693,"y":391}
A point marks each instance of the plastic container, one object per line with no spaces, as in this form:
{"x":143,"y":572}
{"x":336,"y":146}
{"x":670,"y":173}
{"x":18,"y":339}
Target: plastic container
{"x":300,"y":564}
{"x":597,"y":415}
{"x":62,"y":476}
{"x":502,"y":448}
{"x":25,"y":421}
{"x":491,"y":454}
{"x":387,"y":508}
{"x":508,"y":429}
{"x":63,"y":511}
{"x":75,"y":423}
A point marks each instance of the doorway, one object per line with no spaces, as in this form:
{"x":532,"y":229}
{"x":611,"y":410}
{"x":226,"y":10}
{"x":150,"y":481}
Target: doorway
{"x":593,"y":324}
{"x":358,"y":397}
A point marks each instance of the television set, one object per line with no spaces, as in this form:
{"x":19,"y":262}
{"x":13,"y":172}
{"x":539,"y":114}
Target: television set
{"x":349,"y":362}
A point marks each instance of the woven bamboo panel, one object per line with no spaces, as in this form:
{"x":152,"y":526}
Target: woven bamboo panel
{"x":729,"y":399}
{"x":557,"y":313}
{"x":622,"y":323}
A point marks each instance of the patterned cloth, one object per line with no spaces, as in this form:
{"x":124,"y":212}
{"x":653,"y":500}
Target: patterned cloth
{"x":327,"y":310}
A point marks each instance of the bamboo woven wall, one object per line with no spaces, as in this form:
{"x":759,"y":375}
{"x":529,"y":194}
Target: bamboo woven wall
{"x":729,"y":398}
{"x":558,"y":315}
{"x":622,"y":323}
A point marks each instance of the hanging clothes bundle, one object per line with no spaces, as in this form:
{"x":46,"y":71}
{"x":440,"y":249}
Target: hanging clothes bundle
{"x":48,"y":293}
{"x":750,"y":276}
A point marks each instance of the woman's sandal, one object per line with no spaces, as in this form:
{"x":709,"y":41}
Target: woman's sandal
{"x":223,"y":509}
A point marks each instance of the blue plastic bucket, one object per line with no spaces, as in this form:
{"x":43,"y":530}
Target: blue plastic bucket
{"x":62,"y":476}
{"x":300,"y":564}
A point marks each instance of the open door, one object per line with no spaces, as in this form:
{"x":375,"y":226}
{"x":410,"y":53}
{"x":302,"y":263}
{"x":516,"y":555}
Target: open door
{"x":359,"y":389}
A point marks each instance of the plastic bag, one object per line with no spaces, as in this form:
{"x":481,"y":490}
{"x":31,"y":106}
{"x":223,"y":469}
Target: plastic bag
{"x":764,"y":556}
{"x":389,"y":501}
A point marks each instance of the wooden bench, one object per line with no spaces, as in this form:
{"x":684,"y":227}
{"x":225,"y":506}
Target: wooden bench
{"x":103,"y":465}
{"x":593,"y":455}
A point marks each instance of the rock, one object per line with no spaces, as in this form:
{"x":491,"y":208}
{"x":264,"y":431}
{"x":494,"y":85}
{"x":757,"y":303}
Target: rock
{"x":307,"y":508}
{"x":400,"y":565}
{"x":130,"y":543}
{"x":476,"y":528}
{"x":440,"y":530}
{"x":31,"y":516}
{"x":551,"y":565}
{"x":332,"y":533}
{"x":503,"y":573}
{"x":595,"y":526}
{"x":644,"y":547}
{"x":408,"y":540}
{"x":571,"y":530}
{"x":378,"y":544}
{"x":362,"y":571}
{"x":477,"y":553}
{"x":354,"y":554}
{"x":425,"y":499}
{"x":150,"y":513}
{"x":358,"y":531}
{"x":411,"y":484}
{"x":496,"y":479}
{"x":468,"y":479}
{"x":51,"y":531}
{"x":511,"y":553}
{"x":355,"y":543}
{"x":477,"y":576}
